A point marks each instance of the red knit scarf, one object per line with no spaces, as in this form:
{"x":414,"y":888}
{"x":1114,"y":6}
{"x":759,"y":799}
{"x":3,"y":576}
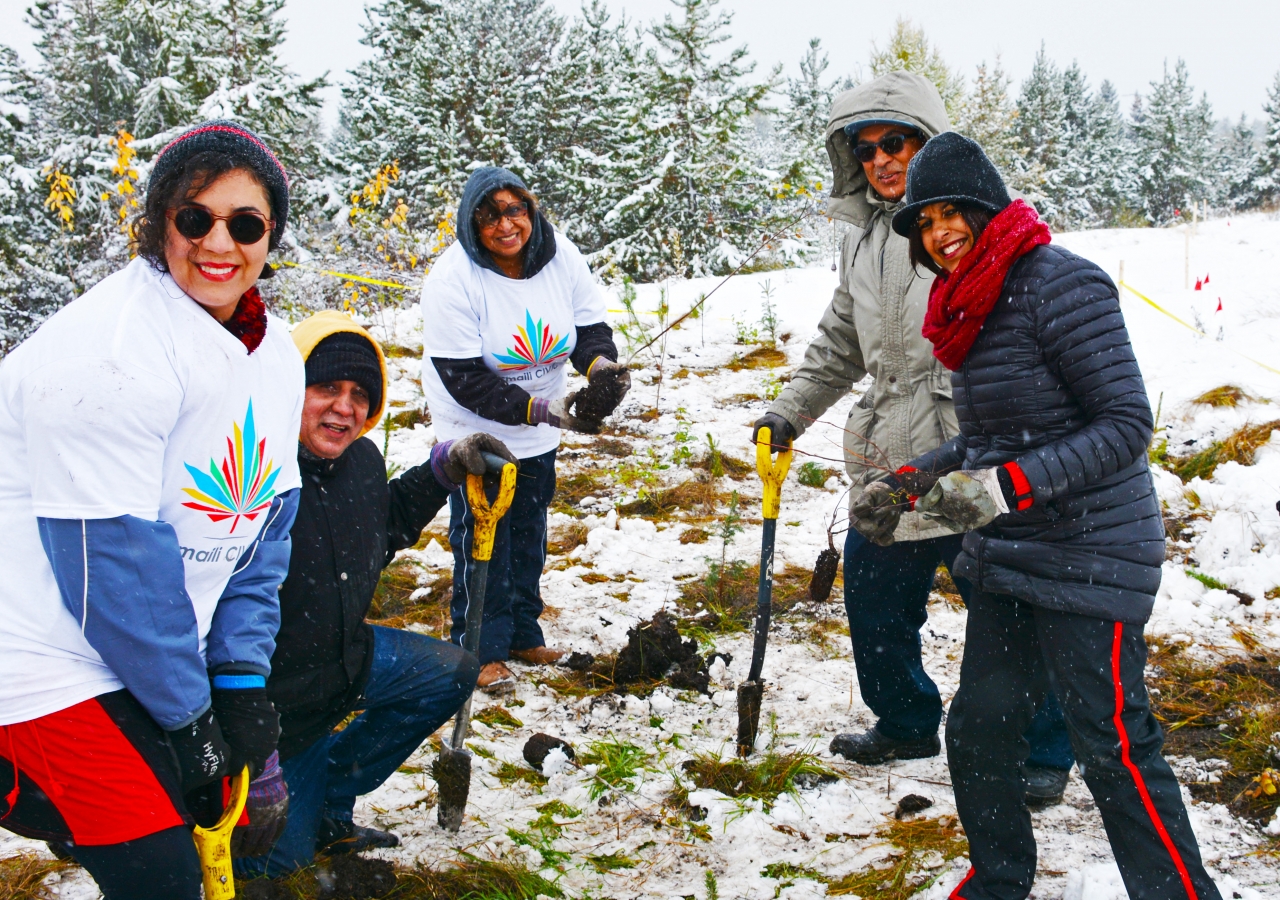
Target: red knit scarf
{"x":249,"y":321}
{"x":959,"y":303}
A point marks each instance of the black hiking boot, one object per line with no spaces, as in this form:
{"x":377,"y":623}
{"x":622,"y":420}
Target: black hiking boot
{"x":338,"y":837}
{"x":1044,"y":786}
{"x":872,"y":747}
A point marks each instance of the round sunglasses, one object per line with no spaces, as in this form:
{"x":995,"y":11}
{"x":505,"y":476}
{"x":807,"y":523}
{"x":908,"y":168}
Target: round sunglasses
{"x":194,"y":222}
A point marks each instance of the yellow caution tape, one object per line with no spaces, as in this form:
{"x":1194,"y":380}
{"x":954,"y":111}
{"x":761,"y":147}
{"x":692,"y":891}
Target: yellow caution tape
{"x":348,"y":276}
{"x":1156,"y":306}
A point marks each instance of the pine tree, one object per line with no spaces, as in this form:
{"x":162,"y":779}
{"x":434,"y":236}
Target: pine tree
{"x":1239,"y":159}
{"x":30,"y":288}
{"x":1174,"y":136}
{"x":1040,"y":131}
{"x":709,"y":202}
{"x":989,"y":116}
{"x":909,"y":50}
{"x":1267,"y":178}
{"x":804,"y":120}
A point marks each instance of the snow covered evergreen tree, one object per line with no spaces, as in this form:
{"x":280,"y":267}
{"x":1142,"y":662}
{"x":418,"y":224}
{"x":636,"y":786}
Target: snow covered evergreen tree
{"x":804,"y":119}
{"x":708,"y":202}
{"x":989,"y":116}
{"x":1174,"y":136}
{"x":1267,"y":180}
{"x":909,"y":50}
{"x":1239,"y":162}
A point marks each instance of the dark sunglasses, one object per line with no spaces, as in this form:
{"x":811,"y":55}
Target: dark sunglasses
{"x":487,"y":217}
{"x":892,"y":144}
{"x":194,"y":222}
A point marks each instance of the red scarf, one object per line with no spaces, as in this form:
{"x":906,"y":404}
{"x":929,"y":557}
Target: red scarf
{"x":959,"y":303}
{"x":249,"y":321}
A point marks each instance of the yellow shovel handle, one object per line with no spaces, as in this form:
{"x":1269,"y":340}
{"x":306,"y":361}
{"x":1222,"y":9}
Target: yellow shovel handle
{"x":771,"y":473}
{"x":487,"y":516}
{"x":214,"y":844}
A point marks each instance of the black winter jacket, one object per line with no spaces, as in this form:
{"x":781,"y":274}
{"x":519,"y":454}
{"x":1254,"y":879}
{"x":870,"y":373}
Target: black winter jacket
{"x":1052,"y":383}
{"x":350,"y":524}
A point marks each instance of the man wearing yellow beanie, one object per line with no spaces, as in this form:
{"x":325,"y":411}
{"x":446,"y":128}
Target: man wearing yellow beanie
{"x":328,"y":661}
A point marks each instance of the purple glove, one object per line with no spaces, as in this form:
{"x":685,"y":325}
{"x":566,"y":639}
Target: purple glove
{"x":267,"y":808}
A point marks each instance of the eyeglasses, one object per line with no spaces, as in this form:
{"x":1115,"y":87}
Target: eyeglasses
{"x":487,"y":217}
{"x":194,"y":222}
{"x":892,"y":144}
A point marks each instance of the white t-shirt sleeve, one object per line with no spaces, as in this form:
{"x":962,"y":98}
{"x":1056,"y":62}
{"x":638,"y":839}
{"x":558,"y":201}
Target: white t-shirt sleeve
{"x":451,"y":325}
{"x":588,"y":300}
{"x":96,"y":430}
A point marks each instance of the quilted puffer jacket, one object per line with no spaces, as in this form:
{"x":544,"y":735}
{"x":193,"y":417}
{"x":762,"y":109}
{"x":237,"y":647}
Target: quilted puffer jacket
{"x":1052,"y":383}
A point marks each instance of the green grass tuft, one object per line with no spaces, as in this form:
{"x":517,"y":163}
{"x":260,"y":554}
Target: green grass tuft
{"x":618,"y":765}
{"x":764,"y":778}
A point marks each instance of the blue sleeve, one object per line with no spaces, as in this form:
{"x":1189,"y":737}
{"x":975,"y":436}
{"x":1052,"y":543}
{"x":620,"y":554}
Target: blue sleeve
{"x":123,"y":580}
{"x":243,"y":634}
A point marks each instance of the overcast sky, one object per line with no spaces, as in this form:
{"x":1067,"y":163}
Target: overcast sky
{"x":1232,"y":48}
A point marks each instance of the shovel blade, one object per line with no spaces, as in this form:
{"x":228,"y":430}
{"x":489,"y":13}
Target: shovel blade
{"x":750,"y":695}
{"x":452,"y":773}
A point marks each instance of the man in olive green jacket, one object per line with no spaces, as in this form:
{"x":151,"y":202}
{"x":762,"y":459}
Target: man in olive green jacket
{"x":873,"y":326}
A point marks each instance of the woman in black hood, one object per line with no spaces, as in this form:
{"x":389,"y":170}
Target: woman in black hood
{"x":503,"y":311}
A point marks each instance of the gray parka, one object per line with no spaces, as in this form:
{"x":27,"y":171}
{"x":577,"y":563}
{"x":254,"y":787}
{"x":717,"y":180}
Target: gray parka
{"x":874,"y":322}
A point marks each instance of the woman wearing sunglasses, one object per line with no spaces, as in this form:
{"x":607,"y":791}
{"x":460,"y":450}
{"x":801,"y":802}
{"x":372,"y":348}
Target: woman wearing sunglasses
{"x":1063,"y":540}
{"x":504,"y":310}
{"x":151,"y":428}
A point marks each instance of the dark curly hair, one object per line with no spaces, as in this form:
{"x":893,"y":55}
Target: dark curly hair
{"x":976,"y":217}
{"x":177,"y":188}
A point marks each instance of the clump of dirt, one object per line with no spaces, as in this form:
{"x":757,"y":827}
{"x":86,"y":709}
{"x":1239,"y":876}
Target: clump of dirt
{"x":824,"y":575}
{"x":655,"y":650}
{"x":911,"y":804}
{"x":655,"y":654}
{"x":539,"y":745}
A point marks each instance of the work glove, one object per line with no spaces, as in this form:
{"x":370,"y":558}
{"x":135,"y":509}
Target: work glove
{"x":878,"y":509}
{"x":267,"y":808}
{"x":462,"y":456}
{"x":249,"y":723}
{"x":200,"y":751}
{"x":607,"y":383}
{"x":964,"y":501}
{"x":780,"y":430}
{"x":556,"y":414}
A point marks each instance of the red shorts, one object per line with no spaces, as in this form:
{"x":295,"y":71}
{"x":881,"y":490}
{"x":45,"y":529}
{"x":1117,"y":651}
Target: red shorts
{"x":96,"y":773}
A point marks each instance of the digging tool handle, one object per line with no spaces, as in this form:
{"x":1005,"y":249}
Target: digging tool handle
{"x":214,"y":844}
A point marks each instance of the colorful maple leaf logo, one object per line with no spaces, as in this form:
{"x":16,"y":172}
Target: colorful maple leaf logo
{"x":243,"y":486}
{"x":535,"y":345}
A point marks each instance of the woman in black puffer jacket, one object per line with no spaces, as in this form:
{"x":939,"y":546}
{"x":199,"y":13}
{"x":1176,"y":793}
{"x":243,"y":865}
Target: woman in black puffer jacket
{"x":1064,"y":542}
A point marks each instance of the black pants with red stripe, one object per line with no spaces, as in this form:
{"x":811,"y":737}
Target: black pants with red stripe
{"x":1014,"y":654}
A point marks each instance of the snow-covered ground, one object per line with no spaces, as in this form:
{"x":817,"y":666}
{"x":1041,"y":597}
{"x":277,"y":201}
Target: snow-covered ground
{"x":833,"y":829}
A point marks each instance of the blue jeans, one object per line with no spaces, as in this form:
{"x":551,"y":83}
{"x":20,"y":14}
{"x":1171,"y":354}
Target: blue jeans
{"x":415,"y":684}
{"x":886,"y":593}
{"x":513,"y":598}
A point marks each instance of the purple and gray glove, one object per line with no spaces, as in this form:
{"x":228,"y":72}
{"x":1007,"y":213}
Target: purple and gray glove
{"x":556,"y":414}
{"x":452,"y":461}
{"x":267,"y":808}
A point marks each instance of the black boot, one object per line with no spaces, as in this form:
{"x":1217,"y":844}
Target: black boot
{"x":1044,"y":786}
{"x":872,"y":747}
{"x":337,"y":837}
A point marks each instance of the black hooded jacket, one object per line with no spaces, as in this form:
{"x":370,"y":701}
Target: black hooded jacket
{"x":350,"y":523}
{"x":1052,"y":383}
{"x":469,"y":381}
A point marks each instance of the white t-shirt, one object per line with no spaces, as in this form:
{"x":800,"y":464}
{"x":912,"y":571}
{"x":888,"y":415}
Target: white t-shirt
{"x":132,"y":400}
{"x":523,"y":328}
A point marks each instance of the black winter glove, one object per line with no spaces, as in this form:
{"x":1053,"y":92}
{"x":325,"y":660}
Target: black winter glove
{"x":200,"y":751}
{"x":780,"y":430}
{"x":250,"y":725}
{"x":607,"y":383}
{"x":268,"y":809}
{"x":465,"y":458}
{"x":876,"y":512}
